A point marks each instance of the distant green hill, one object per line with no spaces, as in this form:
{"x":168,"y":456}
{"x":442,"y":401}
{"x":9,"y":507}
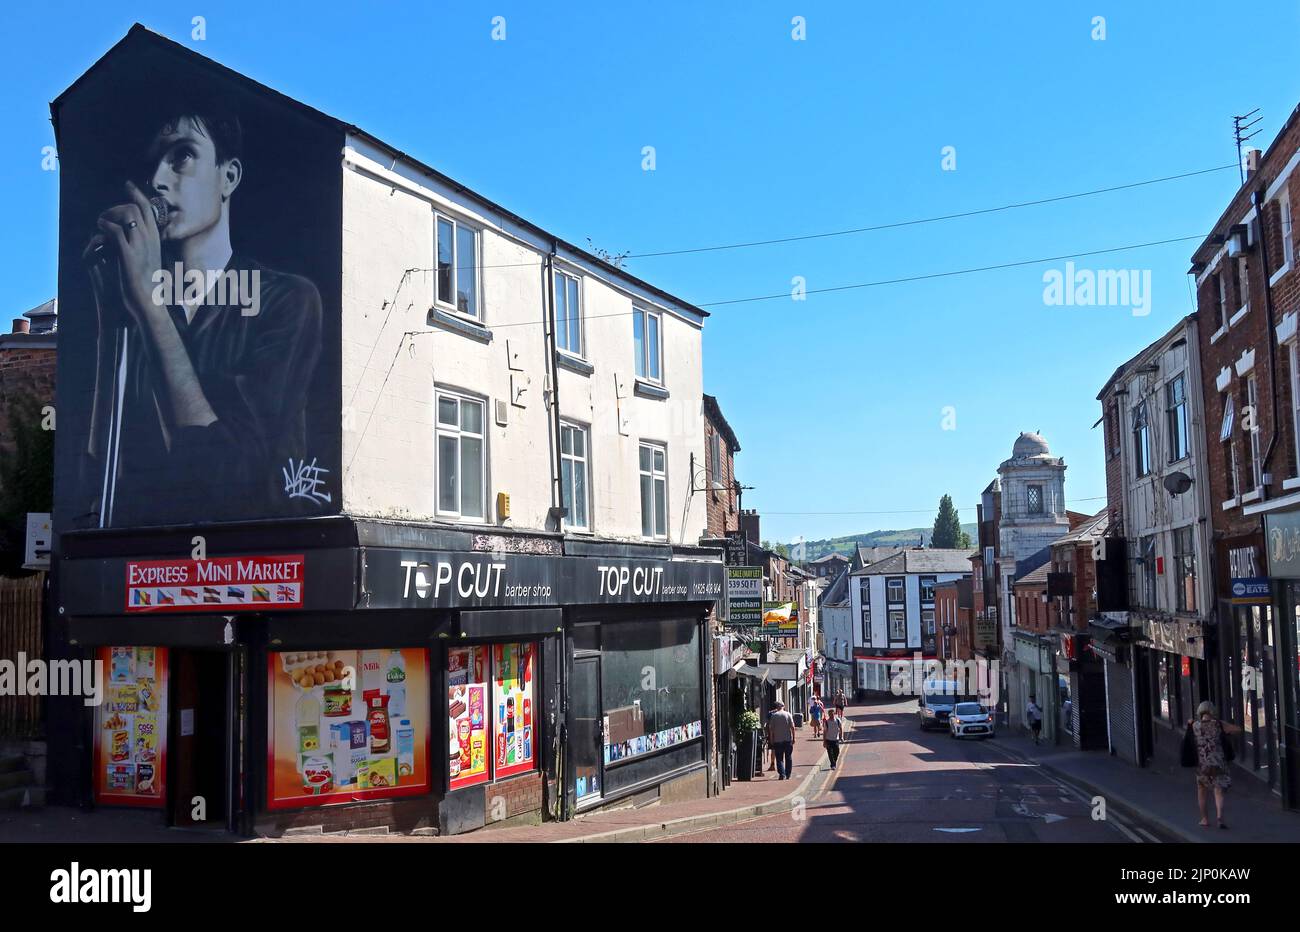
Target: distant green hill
{"x":909,"y":537}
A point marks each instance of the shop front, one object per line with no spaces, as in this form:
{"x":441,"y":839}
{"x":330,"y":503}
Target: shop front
{"x":1085,"y":723}
{"x":1176,"y":674}
{"x":395,"y":685}
{"x":1127,"y":701}
{"x":1268,"y":657}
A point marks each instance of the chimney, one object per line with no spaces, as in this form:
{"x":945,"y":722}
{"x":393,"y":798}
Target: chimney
{"x":21,"y":325}
{"x":749,"y":526}
{"x":1252,"y":157}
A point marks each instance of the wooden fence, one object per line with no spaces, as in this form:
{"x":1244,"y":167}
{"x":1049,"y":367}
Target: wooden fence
{"x":21,"y":631}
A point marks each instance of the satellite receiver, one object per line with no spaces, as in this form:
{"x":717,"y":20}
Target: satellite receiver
{"x":1178,"y":482}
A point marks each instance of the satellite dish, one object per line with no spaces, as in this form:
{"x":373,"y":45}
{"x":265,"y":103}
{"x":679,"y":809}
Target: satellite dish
{"x":1177,"y":483}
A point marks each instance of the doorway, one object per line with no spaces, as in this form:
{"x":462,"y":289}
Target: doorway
{"x":203,"y":726}
{"x":586,"y":731}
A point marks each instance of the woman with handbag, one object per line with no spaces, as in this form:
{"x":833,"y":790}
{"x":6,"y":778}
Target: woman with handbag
{"x":1207,"y":748}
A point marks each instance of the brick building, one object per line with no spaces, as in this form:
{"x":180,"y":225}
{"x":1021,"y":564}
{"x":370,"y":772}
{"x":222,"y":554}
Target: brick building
{"x":27,"y":362}
{"x":1248,"y":302}
{"x":722,"y":501}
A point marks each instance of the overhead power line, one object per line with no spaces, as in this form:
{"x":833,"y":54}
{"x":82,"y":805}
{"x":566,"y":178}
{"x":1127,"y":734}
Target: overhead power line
{"x":923,"y":220}
{"x":898,"y":511}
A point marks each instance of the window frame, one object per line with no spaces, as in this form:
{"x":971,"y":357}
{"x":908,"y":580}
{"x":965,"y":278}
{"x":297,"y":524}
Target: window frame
{"x":1030,"y":508}
{"x":456,"y":266}
{"x":440,"y":431}
{"x":1293,"y":358}
{"x":1179,"y":425}
{"x":921,"y":582}
{"x":640,"y":327}
{"x":1185,"y":563}
{"x":655,"y":477}
{"x":864,"y":594}
{"x":1141,"y":440}
{"x":1284,"y":222}
{"x":578,"y":280}
{"x":1147,"y":547}
{"x":574,"y":427}
{"x":901,"y":620}
{"x":1252,"y":402}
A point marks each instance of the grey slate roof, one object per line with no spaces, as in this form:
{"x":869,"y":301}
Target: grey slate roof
{"x":921,"y":561}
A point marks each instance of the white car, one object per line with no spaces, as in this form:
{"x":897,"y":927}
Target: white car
{"x":970,"y":719}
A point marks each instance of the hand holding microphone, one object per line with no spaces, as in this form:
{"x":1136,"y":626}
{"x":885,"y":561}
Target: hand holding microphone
{"x":132,"y":230}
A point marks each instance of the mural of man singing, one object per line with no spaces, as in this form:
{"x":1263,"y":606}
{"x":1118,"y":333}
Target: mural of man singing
{"x":205,"y":357}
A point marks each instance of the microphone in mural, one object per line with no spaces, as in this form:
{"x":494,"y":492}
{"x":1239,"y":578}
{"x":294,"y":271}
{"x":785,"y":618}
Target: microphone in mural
{"x":205,"y":357}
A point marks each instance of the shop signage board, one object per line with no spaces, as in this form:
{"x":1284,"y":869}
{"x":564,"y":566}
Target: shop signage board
{"x":1175,"y":637}
{"x":427,"y":579}
{"x":986,"y":633}
{"x":257,"y":583}
{"x":1250,"y":591}
{"x":737,"y":548}
{"x":780,"y":620}
{"x":745,"y":595}
{"x":1282,"y":543}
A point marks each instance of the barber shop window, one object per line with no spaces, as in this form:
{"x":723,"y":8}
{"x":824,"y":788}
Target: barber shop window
{"x":650,"y":685}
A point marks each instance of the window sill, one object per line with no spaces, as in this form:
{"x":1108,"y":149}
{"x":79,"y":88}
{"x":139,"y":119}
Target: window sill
{"x":1291,"y":483}
{"x":1236,"y":318}
{"x":650,"y":390}
{"x":573,"y":363}
{"x":462,"y":325}
{"x":1252,"y":496}
{"x":1230,"y":503}
{"x":1218,"y":334}
{"x":1277,"y":276}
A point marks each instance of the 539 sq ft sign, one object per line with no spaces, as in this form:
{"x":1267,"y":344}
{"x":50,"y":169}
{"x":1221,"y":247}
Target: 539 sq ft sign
{"x":423,"y":579}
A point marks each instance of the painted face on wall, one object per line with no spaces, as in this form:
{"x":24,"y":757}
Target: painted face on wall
{"x":187,"y":174}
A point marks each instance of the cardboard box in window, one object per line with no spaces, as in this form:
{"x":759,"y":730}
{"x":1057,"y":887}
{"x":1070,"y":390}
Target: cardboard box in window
{"x":625,"y":723}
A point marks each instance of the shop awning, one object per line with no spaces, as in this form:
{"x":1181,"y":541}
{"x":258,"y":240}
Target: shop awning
{"x":757,"y":671}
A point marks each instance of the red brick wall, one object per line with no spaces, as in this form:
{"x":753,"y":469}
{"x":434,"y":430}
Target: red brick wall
{"x":24,"y":371}
{"x":520,"y":795}
{"x":1252,"y":332}
{"x":719,"y":506}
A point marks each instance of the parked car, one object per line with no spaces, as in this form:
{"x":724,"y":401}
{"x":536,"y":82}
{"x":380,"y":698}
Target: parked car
{"x":936,"y":703}
{"x":971,"y":718}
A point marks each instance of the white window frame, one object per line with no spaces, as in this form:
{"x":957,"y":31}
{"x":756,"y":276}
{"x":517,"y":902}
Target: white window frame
{"x":581,"y":351}
{"x":864,"y":593}
{"x":928,"y":630}
{"x":457,"y":266}
{"x":901,"y":620}
{"x":573,"y":459}
{"x":1284,"y":224}
{"x":1176,"y":415}
{"x":443,"y":430}
{"x":1243,"y":287}
{"x":656,"y":477}
{"x":1252,"y":400}
{"x":902,"y":588}
{"x":1294,"y":358}
{"x":640,"y":316}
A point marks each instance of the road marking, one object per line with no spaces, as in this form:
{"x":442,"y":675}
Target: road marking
{"x":959,"y":830}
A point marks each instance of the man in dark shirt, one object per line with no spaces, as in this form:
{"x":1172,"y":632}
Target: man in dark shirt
{"x":205,"y":358}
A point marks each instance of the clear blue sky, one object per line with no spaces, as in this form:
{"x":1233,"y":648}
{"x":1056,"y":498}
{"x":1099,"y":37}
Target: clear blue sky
{"x":838,"y":401}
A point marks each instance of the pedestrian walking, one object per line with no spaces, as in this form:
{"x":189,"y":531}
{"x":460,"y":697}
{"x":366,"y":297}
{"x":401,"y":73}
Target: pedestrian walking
{"x":840,"y":702}
{"x":815,"y":712}
{"x":780,"y":734}
{"x":1207,"y":748}
{"x":834,"y":735}
{"x":1034,"y":715}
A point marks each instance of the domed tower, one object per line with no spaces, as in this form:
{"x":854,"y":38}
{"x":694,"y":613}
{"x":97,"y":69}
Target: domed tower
{"x":1033,"y":513}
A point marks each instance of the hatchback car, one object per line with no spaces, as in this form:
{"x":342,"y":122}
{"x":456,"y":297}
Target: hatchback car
{"x":970,"y":719}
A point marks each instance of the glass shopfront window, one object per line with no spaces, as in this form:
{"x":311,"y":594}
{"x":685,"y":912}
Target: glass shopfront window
{"x":650,"y":684}
{"x":347,"y":725}
{"x":490,"y":709}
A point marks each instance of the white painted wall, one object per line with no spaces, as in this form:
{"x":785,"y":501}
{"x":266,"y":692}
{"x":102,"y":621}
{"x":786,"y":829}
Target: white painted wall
{"x":880,"y":611}
{"x":388,"y":378}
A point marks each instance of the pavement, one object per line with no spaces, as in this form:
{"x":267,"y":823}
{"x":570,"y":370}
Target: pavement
{"x":1164,"y":794}
{"x":761,"y":796}
{"x":897,"y":783}
{"x":894,"y":783}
